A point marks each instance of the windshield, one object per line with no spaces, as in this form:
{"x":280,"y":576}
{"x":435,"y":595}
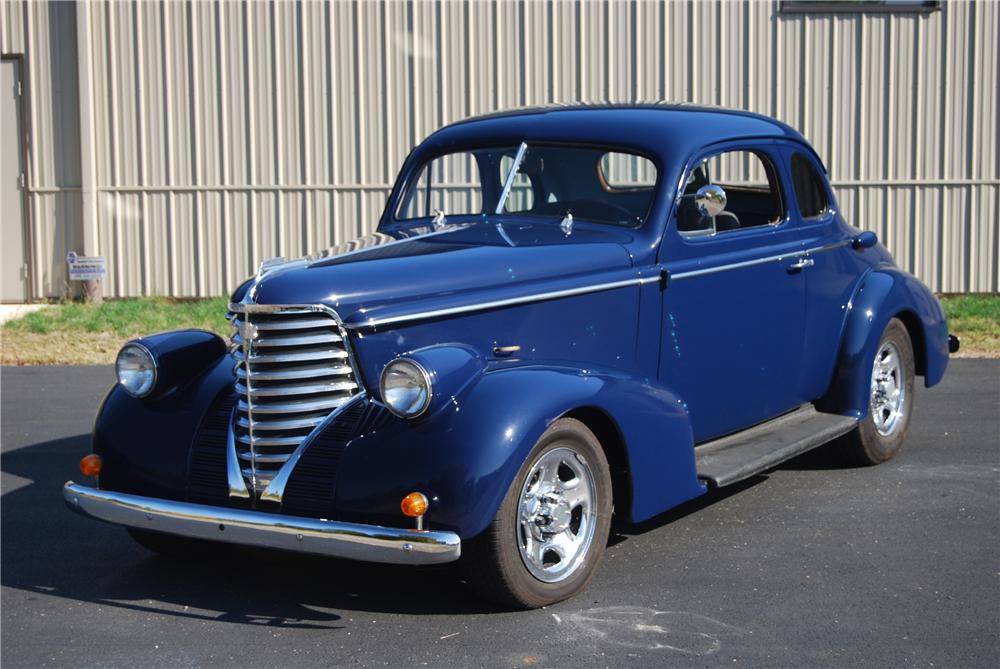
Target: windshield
{"x":591,"y":184}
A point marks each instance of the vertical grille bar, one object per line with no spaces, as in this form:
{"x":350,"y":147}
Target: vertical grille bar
{"x":293,"y":368}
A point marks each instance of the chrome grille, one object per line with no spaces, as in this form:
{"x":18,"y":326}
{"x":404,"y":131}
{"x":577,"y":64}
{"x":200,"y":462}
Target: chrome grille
{"x":293,"y":368}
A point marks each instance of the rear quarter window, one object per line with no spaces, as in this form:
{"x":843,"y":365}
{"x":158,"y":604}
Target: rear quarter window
{"x":626,"y":171}
{"x":809,"y":190}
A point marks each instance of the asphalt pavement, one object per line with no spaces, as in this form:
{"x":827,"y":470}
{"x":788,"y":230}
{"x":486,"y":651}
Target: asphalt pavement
{"x":812,"y":565}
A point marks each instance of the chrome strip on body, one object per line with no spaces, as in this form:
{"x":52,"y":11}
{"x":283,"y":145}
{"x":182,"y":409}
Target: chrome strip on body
{"x":760,"y":261}
{"x":371,"y":543}
{"x":494,"y":304}
{"x":275,"y":490}
{"x":268,"y":268}
{"x":583,"y":290}
{"x":237,"y":485}
{"x":449,"y":227}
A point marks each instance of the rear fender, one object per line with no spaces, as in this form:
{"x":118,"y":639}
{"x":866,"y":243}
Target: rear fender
{"x":882,"y":295}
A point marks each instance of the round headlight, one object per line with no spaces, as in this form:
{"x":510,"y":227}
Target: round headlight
{"x":406,"y":388}
{"x":136,"y":369}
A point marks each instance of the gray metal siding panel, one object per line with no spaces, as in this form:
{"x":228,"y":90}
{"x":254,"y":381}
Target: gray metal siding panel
{"x":45,"y":35}
{"x":228,"y":133}
{"x":12,"y":25}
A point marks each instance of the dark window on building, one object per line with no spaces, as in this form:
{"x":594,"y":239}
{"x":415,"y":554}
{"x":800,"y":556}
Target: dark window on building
{"x":832,"y":6}
{"x":809,"y":190}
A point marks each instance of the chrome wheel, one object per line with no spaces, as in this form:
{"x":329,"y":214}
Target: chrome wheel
{"x":888,"y":389}
{"x":557,"y":515}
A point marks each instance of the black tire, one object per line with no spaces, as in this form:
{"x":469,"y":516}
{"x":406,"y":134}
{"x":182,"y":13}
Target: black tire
{"x":492,"y":562}
{"x":867,"y":445}
{"x":173,"y":546}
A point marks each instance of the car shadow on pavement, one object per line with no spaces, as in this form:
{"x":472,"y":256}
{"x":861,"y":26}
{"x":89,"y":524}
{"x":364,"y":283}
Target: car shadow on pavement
{"x":828,"y":457}
{"x":48,"y":549}
{"x":822,"y":458}
{"x":621,"y":529}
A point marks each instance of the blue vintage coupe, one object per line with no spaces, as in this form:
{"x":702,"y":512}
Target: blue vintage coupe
{"x":564,"y":313}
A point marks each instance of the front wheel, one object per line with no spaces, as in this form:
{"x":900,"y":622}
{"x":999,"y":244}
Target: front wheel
{"x":880,"y":435}
{"x":551,"y":530}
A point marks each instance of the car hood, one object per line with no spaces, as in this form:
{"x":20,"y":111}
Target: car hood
{"x":386,"y":273}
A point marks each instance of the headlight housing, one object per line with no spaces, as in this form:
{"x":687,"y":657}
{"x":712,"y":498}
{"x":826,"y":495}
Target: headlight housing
{"x":136,"y":369}
{"x":405,"y":387}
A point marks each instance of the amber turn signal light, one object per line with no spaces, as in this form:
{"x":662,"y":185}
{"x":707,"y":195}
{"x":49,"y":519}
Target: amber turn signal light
{"x":90,"y":465}
{"x":414,"y":505}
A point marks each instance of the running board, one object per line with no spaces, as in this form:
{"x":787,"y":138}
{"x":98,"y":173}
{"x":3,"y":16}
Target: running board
{"x":733,"y":458}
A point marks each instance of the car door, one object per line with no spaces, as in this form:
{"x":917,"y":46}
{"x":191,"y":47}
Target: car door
{"x":835,"y":266}
{"x":734,"y":308}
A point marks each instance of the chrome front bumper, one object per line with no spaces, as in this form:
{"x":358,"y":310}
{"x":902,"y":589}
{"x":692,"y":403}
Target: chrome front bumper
{"x":353,"y":541}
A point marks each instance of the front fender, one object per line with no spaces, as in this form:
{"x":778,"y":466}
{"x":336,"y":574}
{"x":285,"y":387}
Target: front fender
{"x":145,"y":443}
{"x":882,"y":295}
{"x":465,"y":456}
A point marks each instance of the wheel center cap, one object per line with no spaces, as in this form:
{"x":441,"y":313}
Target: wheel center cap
{"x":559,"y":516}
{"x":548,"y":512}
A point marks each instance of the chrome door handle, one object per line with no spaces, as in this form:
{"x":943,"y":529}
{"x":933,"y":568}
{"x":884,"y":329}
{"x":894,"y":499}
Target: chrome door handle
{"x":801,"y":264}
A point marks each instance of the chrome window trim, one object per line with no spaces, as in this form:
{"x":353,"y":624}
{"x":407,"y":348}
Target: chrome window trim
{"x":821,"y":181}
{"x":766,"y":160}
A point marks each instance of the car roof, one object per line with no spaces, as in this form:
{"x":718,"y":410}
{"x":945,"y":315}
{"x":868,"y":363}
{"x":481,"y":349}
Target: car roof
{"x":667,"y":130}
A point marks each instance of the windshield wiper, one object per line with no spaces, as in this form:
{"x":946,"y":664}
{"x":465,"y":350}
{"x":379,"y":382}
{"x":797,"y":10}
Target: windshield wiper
{"x":510,"y":177}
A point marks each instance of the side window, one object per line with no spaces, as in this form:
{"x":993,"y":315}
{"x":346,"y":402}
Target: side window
{"x":626,"y":171}
{"x":753,"y":197}
{"x":809,"y":190}
{"x":450,"y":183}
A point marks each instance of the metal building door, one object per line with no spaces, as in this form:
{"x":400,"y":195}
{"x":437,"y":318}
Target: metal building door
{"x":13,"y":268}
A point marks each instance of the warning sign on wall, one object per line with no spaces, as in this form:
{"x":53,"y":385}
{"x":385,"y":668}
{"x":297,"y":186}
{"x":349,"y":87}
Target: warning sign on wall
{"x":86,"y":268}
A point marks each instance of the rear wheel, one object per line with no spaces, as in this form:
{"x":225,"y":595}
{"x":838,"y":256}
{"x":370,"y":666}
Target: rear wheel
{"x":550,"y":532}
{"x":890,"y":403}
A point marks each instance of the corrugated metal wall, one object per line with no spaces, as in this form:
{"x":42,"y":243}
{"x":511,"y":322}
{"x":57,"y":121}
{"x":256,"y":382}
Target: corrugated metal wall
{"x":226,"y":133}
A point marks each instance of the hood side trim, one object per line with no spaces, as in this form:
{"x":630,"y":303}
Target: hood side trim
{"x":496,"y":304}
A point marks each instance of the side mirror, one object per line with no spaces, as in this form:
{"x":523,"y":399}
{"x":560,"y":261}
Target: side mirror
{"x":710,"y":200}
{"x":865,"y":240}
